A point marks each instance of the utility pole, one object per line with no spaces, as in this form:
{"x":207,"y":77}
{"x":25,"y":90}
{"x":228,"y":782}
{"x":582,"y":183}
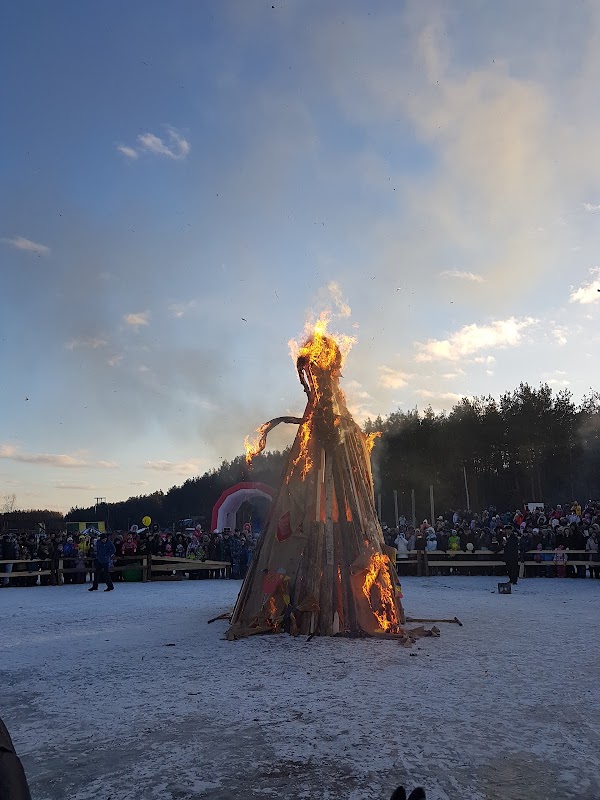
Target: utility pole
{"x":98,"y":501}
{"x":467,"y":488}
{"x":432,"y":505}
{"x":395,"y":507}
{"x":413,"y":507}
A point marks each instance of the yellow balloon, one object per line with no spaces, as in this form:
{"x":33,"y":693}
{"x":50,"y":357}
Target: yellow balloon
{"x":146,"y":521}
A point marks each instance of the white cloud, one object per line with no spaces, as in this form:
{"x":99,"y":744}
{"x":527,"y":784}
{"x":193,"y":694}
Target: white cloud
{"x":484,"y":360}
{"x":11,"y":453}
{"x":177,"y":147}
{"x":591,"y":207}
{"x":94,"y":343}
{"x":463,"y":276}
{"x":440,"y":400}
{"x":20,"y":243}
{"x":560,"y":335}
{"x":181,"y":309}
{"x":489,"y":372}
{"x":451,"y":375}
{"x":556,"y":378}
{"x":181,"y":468}
{"x":114,"y":361}
{"x":128,"y":152}
{"x":359,"y":401}
{"x":393,"y":378}
{"x":471,"y":338}
{"x":589,"y":292}
{"x":137,"y":320}
{"x":74,"y":486}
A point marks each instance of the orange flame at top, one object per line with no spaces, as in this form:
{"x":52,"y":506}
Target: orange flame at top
{"x":378,"y":575}
{"x":371,"y":439}
{"x":321,"y":347}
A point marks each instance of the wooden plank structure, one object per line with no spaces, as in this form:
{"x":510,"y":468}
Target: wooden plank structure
{"x":320,"y":565}
{"x":152,"y":567}
{"x":484,"y":559}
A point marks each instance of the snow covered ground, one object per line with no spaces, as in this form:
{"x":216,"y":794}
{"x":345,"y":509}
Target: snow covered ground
{"x":131,"y":695}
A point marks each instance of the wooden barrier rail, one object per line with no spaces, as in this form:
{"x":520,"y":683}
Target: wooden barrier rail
{"x":166,"y":564}
{"x":487,"y":559}
{"x":149,"y":565}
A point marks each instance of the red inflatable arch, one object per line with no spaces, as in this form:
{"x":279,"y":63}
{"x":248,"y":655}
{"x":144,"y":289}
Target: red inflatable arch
{"x":226,"y":507}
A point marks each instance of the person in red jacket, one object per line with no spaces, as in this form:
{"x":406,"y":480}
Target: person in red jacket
{"x":130,"y":546}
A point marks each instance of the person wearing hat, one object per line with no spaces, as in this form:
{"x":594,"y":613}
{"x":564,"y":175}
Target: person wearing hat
{"x":105,"y":550}
{"x":511,"y":554}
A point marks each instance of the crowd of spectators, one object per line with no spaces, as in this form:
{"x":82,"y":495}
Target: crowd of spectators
{"x":76,"y":552}
{"x":546,"y":535}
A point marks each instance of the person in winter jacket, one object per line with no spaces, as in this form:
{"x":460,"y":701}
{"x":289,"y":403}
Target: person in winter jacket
{"x":105,"y":550}
{"x":401,"y":545}
{"x":431,"y":543}
{"x":79,"y":562}
{"x":236,"y":556}
{"x":591,"y":547}
{"x":560,"y":561}
{"x":130,"y":546}
{"x":420,"y":544}
{"x":454,"y":542}
{"x":192,"y":548}
{"x":10,"y":550}
{"x":511,"y":554}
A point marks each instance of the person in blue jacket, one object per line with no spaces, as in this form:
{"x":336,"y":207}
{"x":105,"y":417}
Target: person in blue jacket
{"x":105,"y":550}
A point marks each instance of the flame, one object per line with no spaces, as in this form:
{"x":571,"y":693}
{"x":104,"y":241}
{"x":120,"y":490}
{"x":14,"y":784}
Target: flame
{"x":253,"y":447}
{"x":303,"y":454}
{"x":320,"y":346}
{"x":371,"y":439}
{"x":271,"y":616}
{"x":378,"y":574}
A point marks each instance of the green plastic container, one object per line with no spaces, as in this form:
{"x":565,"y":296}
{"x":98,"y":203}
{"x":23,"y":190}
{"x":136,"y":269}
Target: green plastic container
{"x":133,"y":573}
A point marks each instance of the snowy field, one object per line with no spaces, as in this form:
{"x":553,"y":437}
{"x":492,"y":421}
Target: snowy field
{"x":130,"y":695}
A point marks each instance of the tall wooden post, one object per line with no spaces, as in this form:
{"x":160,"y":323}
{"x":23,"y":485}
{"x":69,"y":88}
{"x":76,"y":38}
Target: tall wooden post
{"x":431,"y":505}
{"x":466,"y":488}
{"x":395,"y":507}
{"x":413,"y":508}
{"x":379,"y":507}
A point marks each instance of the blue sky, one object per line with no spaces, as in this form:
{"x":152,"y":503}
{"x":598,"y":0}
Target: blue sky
{"x":182,"y":184}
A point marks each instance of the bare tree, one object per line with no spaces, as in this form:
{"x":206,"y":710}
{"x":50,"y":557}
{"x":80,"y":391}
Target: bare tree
{"x":9,"y":503}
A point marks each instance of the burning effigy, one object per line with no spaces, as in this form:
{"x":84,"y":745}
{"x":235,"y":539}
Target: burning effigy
{"x":320,"y":566}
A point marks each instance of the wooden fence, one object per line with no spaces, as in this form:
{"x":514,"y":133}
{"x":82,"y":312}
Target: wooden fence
{"x":149,"y":568}
{"x":161,"y":567}
{"x":460,"y":560}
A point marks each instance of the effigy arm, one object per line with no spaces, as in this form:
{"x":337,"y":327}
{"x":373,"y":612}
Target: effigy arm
{"x":253,"y":449}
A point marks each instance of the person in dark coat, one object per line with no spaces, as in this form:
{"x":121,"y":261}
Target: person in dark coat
{"x":420,"y":544}
{"x":13,"y":783}
{"x":511,"y":554}
{"x":105,"y":550}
